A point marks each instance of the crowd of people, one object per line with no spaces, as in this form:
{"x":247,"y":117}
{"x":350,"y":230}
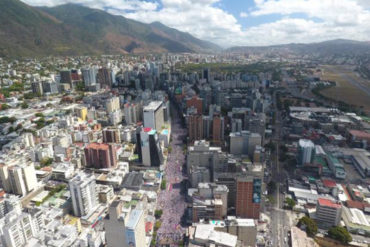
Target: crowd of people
{"x":170,"y":200}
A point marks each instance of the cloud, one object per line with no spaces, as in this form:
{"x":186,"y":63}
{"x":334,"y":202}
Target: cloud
{"x":318,"y":20}
{"x":243,"y":15}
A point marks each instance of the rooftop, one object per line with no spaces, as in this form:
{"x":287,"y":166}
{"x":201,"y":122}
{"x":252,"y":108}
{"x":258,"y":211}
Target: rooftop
{"x":328,"y":203}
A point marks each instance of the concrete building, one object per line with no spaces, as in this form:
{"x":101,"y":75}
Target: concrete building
{"x":249,"y":193}
{"x":84,"y":195}
{"x":100,"y":155}
{"x":89,"y":76}
{"x":153,"y":115}
{"x":218,"y":130}
{"x":111,"y":135}
{"x":328,"y":213}
{"x":196,"y":103}
{"x":37,"y":88}
{"x":104,"y":78}
{"x":114,"y":223}
{"x":150,"y":149}
{"x":306,"y":151}
{"x":131,"y":113}
{"x":195,"y":127}
{"x":135,"y":229}
{"x":18,"y":179}
{"x":209,"y":202}
{"x":112,"y":104}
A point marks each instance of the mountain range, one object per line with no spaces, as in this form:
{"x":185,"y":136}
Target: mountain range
{"x":72,"y":29}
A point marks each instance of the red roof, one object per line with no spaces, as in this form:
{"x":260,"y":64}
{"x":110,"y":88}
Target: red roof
{"x":148,"y":227}
{"x":329,"y":183}
{"x":328,"y":203}
{"x":355,"y":204}
{"x":147,"y":129}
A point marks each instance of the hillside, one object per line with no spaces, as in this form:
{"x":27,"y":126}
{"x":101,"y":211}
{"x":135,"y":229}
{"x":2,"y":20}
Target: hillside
{"x":75,"y":30}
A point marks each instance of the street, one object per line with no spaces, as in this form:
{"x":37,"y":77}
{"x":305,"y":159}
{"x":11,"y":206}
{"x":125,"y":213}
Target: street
{"x":170,"y":200}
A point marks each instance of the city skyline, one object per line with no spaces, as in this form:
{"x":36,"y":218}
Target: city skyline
{"x":250,"y":23}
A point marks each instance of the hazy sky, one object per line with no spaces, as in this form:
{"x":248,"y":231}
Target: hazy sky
{"x":246,"y":22}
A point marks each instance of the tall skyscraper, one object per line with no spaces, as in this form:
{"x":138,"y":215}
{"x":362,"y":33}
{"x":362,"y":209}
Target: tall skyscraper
{"x":306,"y":151}
{"x":100,"y":155}
{"x":83,"y":193}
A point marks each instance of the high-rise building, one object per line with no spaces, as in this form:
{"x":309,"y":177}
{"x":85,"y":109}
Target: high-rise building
{"x":49,"y":87}
{"x":328,"y":213}
{"x":135,"y":229}
{"x":81,"y":112}
{"x":207,"y":74}
{"x":218,"y":130}
{"x":18,"y":179}
{"x":306,"y":151}
{"x":66,"y":77}
{"x":111,"y":135}
{"x":197,"y":103}
{"x":104,"y":77}
{"x":37,"y":88}
{"x":17,"y":229}
{"x":100,"y":155}
{"x":89,"y":76}
{"x":112,"y":104}
{"x":151,"y":151}
{"x":195,"y":127}
{"x":248,"y":193}
{"x":153,"y":115}
{"x":114,"y":224}
{"x":83,"y":193}
{"x":131,"y":113}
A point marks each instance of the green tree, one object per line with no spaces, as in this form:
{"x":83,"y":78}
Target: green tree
{"x":340,"y":233}
{"x":4,"y":107}
{"x":46,"y":162}
{"x":158,"y":213}
{"x":271,"y":187}
{"x":163,"y":184}
{"x":309,"y":224}
{"x":24,"y":105}
{"x":290,"y":203}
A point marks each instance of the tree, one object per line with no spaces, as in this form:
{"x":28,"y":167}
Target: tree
{"x":46,"y":162}
{"x":4,"y":107}
{"x":340,"y":233}
{"x":309,"y":224}
{"x":24,"y":105}
{"x":163,"y":184}
{"x":290,"y":202}
{"x":158,"y":213}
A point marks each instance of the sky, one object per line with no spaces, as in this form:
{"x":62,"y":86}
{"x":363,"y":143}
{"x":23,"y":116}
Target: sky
{"x":246,"y":22}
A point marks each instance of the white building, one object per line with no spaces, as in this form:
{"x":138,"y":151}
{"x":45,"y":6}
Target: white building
{"x":135,"y":229}
{"x":153,"y":115}
{"x":84,"y":196}
{"x":306,"y":151}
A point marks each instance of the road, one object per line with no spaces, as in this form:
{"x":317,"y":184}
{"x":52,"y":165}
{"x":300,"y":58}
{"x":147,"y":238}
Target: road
{"x":280,"y":221}
{"x":171,"y":200}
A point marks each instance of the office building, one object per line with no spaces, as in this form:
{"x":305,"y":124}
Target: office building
{"x":49,"y":87}
{"x":135,"y":229}
{"x":153,"y":115}
{"x":66,"y":77}
{"x":89,"y":76}
{"x":249,"y":192}
{"x":114,"y":224}
{"x":104,"y":78}
{"x":328,"y":213}
{"x":151,"y":152}
{"x":306,"y":151}
{"x":100,"y":155}
{"x":84,"y":195}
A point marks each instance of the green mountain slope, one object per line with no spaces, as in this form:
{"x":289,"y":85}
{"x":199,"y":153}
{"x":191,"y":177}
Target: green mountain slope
{"x":75,"y":30}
